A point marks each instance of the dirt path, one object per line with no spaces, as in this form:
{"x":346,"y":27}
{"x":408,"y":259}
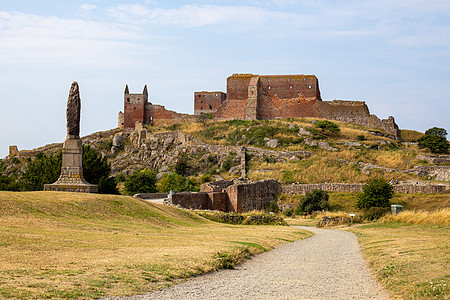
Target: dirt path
{"x":328,"y":265}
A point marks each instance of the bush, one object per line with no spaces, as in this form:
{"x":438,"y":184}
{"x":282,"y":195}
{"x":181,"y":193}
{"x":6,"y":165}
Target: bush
{"x":361,"y":137}
{"x":204,"y":118}
{"x":9,"y":184}
{"x":176,"y":182}
{"x":143,"y":181}
{"x":435,"y":143}
{"x":182,"y":164}
{"x":376,"y":193}
{"x":42,"y":170}
{"x":272,"y":206}
{"x":96,"y":170}
{"x":227,"y":163}
{"x":375,"y":213}
{"x":327,"y":126}
{"x":314,"y":201}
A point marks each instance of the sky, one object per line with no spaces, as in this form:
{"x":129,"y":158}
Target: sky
{"x":394,"y":55}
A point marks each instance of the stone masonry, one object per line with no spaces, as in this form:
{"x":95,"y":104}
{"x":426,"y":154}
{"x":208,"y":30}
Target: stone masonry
{"x":71,"y":178}
{"x":252,"y":97}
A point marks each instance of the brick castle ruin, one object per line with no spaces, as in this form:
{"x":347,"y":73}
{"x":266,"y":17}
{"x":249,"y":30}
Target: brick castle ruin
{"x":253,"y":97}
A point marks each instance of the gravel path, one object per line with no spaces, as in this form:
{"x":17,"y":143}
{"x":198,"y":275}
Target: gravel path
{"x":328,"y":265}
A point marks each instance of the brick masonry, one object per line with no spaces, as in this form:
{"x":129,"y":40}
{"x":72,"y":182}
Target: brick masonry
{"x":254,"y":97}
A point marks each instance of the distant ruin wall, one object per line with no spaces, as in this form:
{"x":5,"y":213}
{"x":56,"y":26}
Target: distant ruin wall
{"x":190,"y":200}
{"x":252,"y":196}
{"x":302,"y":189}
{"x":356,"y":112}
{"x":435,"y":159}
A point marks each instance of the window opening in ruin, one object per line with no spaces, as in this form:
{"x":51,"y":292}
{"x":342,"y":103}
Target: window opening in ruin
{"x":216,"y":94}
{"x":309,"y":86}
{"x":290,"y":86}
{"x":289,"y":79}
{"x":201,"y":107}
{"x":298,"y":102}
{"x":267,"y":102}
{"x":210,"y":106}
{"x":269,"y":87}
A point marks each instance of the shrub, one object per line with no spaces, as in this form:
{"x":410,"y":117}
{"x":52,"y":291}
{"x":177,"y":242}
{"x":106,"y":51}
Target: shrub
{"x":96,"y":170}
{"x":143,"y":181}
{"x":375,"y":213}
{"x":272,"y":206}
{"x":9,"y":184}
{"x":314,"y":201}
{"x":327,"y":126}
{"x":182,"y":164}
{"x":44,"y":169}
{"x":376,"y":193}
{"x":176,"y":182}
{"x":204,"y":118}
{"x":226,"y":165}
{"x":435,"y":143}
{"x":361,"y":137}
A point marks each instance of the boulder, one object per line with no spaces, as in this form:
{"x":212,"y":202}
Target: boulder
{"x":272,"y":143}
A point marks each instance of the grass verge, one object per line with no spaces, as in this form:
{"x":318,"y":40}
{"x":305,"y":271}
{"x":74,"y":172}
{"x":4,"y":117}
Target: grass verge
{"x":65,"y":245}
{"x":411,"y":261}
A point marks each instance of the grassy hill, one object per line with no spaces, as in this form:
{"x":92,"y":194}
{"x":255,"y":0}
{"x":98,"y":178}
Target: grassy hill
{"x":354,"y":145}
{"x":68,"y":245}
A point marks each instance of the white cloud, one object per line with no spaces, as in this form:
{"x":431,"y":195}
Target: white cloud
{"x":26,"y":38}
{"x":85,"y":7}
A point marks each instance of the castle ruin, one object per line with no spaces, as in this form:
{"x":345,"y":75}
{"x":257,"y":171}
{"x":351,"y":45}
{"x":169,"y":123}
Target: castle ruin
{"x":254,"y":97}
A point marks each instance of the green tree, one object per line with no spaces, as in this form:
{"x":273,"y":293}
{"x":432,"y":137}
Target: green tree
{"x":327,"y":126}
{"x":313,"y":201}
{"x":43,"y":169}
{"x":8,"y":183}
{"x":376,"y":193}
{"x":182,"y":166}
{"x":143,"y":181}
{"x":435,"y":143}
{"x":177,"y":182}
{"x":96,"y":170}
{"x":436,"y":131}
{"x":204,"y":118}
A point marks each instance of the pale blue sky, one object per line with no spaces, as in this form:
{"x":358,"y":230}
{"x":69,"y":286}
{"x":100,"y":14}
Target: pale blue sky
{"x":395,"y":55}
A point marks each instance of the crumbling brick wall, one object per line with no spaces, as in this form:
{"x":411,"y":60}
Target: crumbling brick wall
{"x":356,"y":112}
{"x":208,"y":102}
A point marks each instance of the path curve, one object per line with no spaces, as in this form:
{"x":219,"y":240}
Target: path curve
{"x":327,"y":265}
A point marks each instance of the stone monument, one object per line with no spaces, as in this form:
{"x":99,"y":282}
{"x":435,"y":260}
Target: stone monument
{"x":71,"y":178}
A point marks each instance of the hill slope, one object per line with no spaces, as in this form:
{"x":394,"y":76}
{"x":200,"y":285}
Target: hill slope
{"x":66,"y":245}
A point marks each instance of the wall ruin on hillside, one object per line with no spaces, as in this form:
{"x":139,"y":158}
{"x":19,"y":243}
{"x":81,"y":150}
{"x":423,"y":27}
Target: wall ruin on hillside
{"x":252,"y":97}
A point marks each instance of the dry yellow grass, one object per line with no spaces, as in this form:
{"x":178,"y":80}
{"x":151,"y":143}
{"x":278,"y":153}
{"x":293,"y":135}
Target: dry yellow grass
{"x":439,"y":217}
{"x":65,"y":245}
{"x":411,"y":261}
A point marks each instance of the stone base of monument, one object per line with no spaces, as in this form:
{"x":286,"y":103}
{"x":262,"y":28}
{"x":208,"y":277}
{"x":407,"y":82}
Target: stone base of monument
{"x":71,"y":178}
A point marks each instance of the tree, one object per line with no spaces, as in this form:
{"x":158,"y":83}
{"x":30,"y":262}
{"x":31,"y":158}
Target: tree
{"x":435,"y":143}
{"x":436,"y":131}
{"x":96,"y":170}
{"x":176,"y":182}
{"x":44,"y":169}
{"x":376,"y":193}
{"x":8,"y":183}
{"x":204,"y":118}
{"x":327,"y":126}
{"x":143,"y":181}
{"x":314,"y":201}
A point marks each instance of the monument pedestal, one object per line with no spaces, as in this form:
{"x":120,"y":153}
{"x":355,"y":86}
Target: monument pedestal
{"x":71,"y":178}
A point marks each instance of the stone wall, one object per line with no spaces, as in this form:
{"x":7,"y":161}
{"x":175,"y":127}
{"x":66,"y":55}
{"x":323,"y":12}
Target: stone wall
{"x":252,"y":196}
{"x":302,"y":189}
{"x":435,"y":159}
{"x":151,"y":195}
{"x":438,"y":173}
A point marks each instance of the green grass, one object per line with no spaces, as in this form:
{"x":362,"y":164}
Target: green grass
{"x":68,"y":245}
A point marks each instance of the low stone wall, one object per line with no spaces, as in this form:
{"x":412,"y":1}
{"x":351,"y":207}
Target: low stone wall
{"x":435,"y":159}
{"x":151,"y":195}
{"x":190,"y":200}
{"x":302,"y":189}
{"x":439,"y":173}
